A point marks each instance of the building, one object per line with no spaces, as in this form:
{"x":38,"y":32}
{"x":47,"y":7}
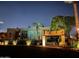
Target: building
{"x":3,"y":35}
{"x":13,"y":33}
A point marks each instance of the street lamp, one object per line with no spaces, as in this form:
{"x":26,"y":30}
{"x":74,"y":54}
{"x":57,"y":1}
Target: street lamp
{"x":76,"y":15}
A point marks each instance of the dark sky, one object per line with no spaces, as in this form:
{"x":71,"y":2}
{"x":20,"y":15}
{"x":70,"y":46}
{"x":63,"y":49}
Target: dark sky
{"x":24,"y":13}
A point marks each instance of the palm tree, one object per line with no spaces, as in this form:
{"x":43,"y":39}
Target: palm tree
{"x":37,"y":25}
{"x":58,"y":22}
{"x":61,"y":22}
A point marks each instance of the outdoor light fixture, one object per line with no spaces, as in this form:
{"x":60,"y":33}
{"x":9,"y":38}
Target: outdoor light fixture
{"x":6,"y":42}
{"x":28,"y":42}
{"x":2,"y":43}
{"x":78,"y":29}
{"x":14,"y":42}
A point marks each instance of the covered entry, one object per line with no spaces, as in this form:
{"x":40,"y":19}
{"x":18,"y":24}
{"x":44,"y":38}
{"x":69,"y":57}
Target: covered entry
{"x":60,"y":33}
{"x":52,"y":40}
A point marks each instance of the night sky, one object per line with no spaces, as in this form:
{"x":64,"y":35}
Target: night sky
{"x":23,"y":14}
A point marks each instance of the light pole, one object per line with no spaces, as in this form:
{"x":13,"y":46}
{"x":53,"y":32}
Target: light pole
{"x":76,"y":16}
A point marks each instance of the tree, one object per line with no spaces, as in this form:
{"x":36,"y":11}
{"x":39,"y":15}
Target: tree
{"x":63,"y":22}
{"x":58,"y":22}
{"x":34,"y":31}
{"x":37,"y":25}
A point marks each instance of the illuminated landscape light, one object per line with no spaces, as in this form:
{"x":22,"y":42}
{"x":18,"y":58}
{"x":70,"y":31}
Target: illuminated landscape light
{"x":6,"y":42}
{"x":28,"y":43}
{"x":78,"y":29}
{"x":14,"y":42}
{"x":2,"y":43}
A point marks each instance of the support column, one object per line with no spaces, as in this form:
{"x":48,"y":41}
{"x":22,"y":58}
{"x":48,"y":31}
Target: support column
{"x":78,"y":44}
{"x":62,"y":43}
{"x":43,"y":41}
{"x":76,"y":17}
